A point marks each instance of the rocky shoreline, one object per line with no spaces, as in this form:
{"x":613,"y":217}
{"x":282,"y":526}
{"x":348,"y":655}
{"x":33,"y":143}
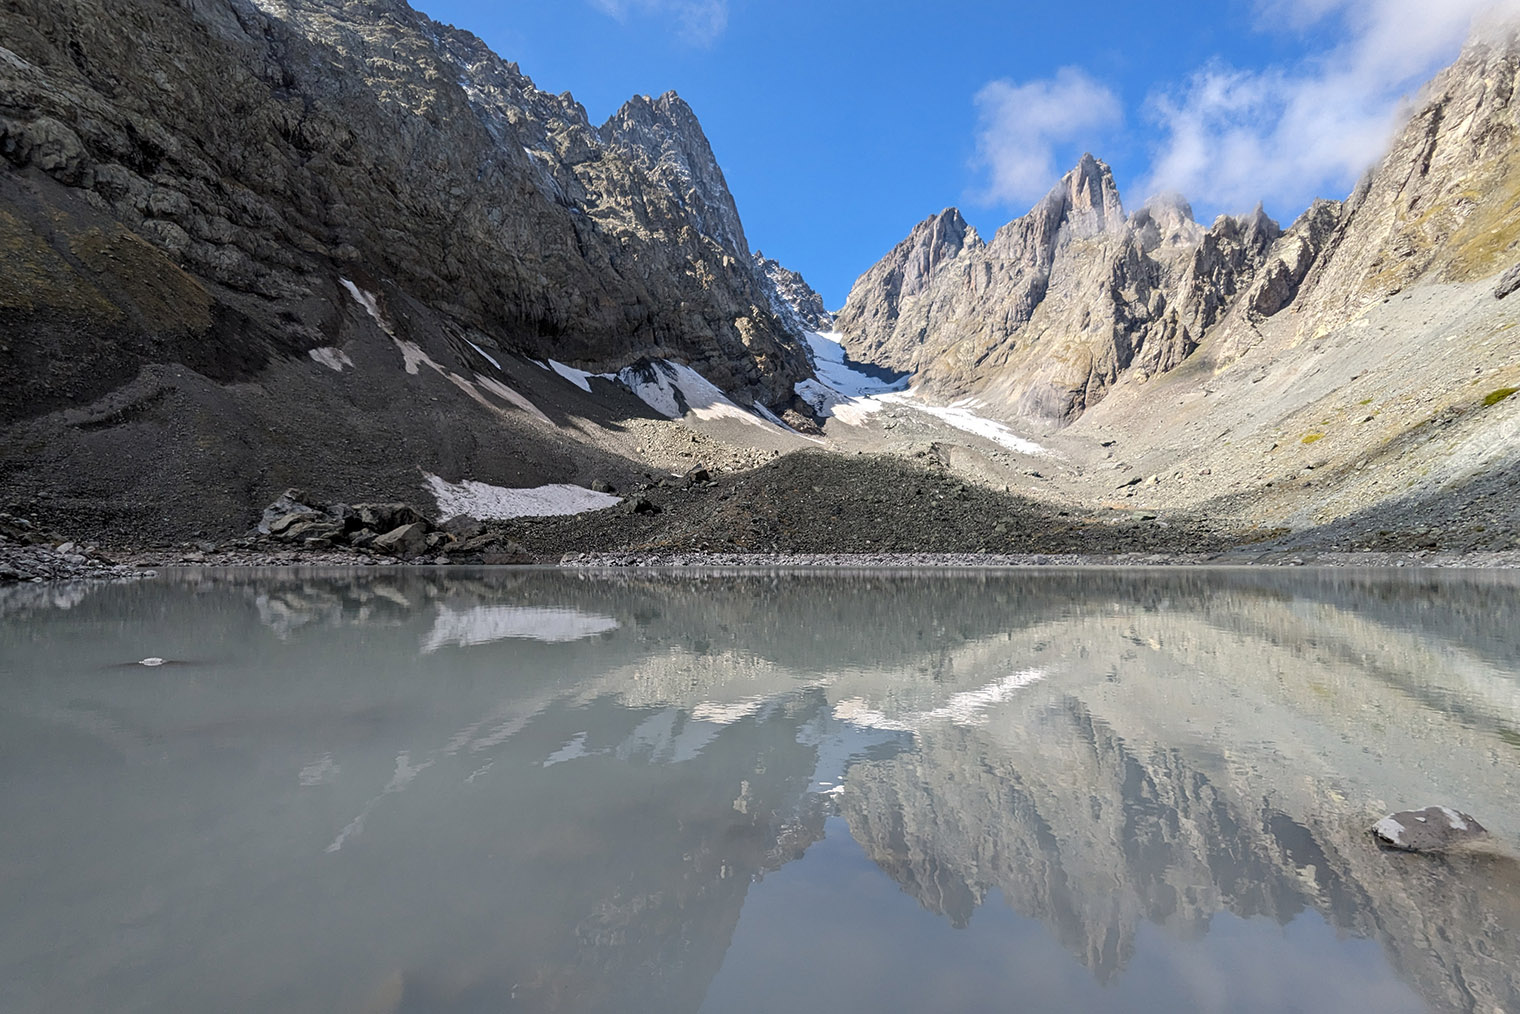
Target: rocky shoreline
{"x":965,"y":561}
{"x":799,"y":512}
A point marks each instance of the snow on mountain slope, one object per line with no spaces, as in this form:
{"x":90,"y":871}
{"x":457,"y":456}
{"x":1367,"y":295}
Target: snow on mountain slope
{"x":835,"y":369}
{"x":852,"y":392}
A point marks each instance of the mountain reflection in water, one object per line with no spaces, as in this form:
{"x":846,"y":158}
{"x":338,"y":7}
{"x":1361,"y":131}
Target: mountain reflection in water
{"x":547,"y":791}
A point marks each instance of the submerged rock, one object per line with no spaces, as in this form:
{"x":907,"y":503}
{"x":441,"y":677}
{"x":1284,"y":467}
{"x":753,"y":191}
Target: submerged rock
{"x":1429,"y":830}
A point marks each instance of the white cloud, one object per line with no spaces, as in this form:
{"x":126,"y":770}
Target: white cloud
{"x":698,"y":22}
{"x":1020,"y":126}
{"x":1285,"y":135}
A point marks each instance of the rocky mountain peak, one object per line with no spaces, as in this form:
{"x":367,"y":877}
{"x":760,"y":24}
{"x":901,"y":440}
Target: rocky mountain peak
{"x":1089,"y":200}
{"x":663,"y":136}
{"x":792,"y":298}
{"x":936,"y":240}
{"x":941,"y":237}
{"x":1441,"y":204}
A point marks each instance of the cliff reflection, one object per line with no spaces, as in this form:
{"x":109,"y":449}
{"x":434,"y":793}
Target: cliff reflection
{"x":556,"y":791}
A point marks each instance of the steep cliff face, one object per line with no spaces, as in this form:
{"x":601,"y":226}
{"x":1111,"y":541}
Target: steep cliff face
{"x":1069,"y":300}
{"x":1045,"y":318}
{"x":225,"y":195}
{"x":268,"y":148}
{"x":1444,"y":204}
{"x":882,"y":316}
{"x":793,"y":299}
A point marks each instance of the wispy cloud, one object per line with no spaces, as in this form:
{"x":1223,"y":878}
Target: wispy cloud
{"x":1021,"y":125}
{"x":698,"y":22}
{"x":1232,"y":137}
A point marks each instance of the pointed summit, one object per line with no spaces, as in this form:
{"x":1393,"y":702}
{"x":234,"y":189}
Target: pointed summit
{"x":935,"y":240}
{"x":1092,"y":199}
{"x":664,"y":137}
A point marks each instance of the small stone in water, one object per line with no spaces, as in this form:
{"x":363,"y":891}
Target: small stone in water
{"x":1428,"y":830}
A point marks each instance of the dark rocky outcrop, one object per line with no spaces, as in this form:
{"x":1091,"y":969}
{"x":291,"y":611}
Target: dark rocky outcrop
{"x":210,"y":211}
{"x":311,"y":139}
{"x":793,"y":298}
{"x":1509,"y":282}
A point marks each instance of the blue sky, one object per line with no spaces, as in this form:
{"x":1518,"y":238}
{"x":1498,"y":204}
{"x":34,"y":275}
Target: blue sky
{"x":841,"y":124}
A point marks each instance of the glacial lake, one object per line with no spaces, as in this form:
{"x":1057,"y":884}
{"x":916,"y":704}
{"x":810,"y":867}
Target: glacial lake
{"x":531,"y":790}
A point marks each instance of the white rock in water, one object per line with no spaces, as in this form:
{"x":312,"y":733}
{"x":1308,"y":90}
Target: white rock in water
{"x":151,"y":661}
{"x":1428,"y":830}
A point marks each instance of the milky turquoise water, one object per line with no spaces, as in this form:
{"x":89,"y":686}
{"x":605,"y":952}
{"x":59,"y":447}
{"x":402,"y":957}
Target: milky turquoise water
{"x":540,"y":791}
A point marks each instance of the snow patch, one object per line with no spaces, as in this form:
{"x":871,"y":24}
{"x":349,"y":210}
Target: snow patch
{"x":1390,"y":829}
{"x":1453,"y":818}
{"x":654,"y":386}
{"x":842,"y":391}
{"x":967,"y":708}
{"x":413,"y":359}
{"x":573,"y":748}
{"x":580,"y":378}
{"x":510,"y":396}
{"x":319,"y":772}
{"x":332,"y":358}
{"x":960,"y":416}
{"x":371,"y":306}
{"x":488,"y":357}
{"x":828,"y":403}
{"x":834,"y":369}
{"x":498,"y":503}
{"x":404,"y":774}
{"x":477,"y":625}
{"x":675,"y":390}
{"x":855,"y":711}
{"x":727,"y":713}
{"x":851,"y":395}
{"x":772,"y":417}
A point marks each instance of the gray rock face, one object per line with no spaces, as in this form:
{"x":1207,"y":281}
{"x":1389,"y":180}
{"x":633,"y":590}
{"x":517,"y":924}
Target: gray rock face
{"x":405,"y":542}
{"x":1429,"y":830}
{"x":1509,"y":282}
{"x":253,"y":151}
{"x":1048,"y":315}
{"x":792,"y":298}
{"x":289,"y":508}
{"x":1073,"y":298}
{"x":882,"y":316}
{"x":1440,"y":205}
{"x":382,"y":517}
{"x":232,"y":230}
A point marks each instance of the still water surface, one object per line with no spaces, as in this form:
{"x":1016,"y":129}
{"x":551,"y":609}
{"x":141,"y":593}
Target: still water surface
{"x":540,"y":791}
